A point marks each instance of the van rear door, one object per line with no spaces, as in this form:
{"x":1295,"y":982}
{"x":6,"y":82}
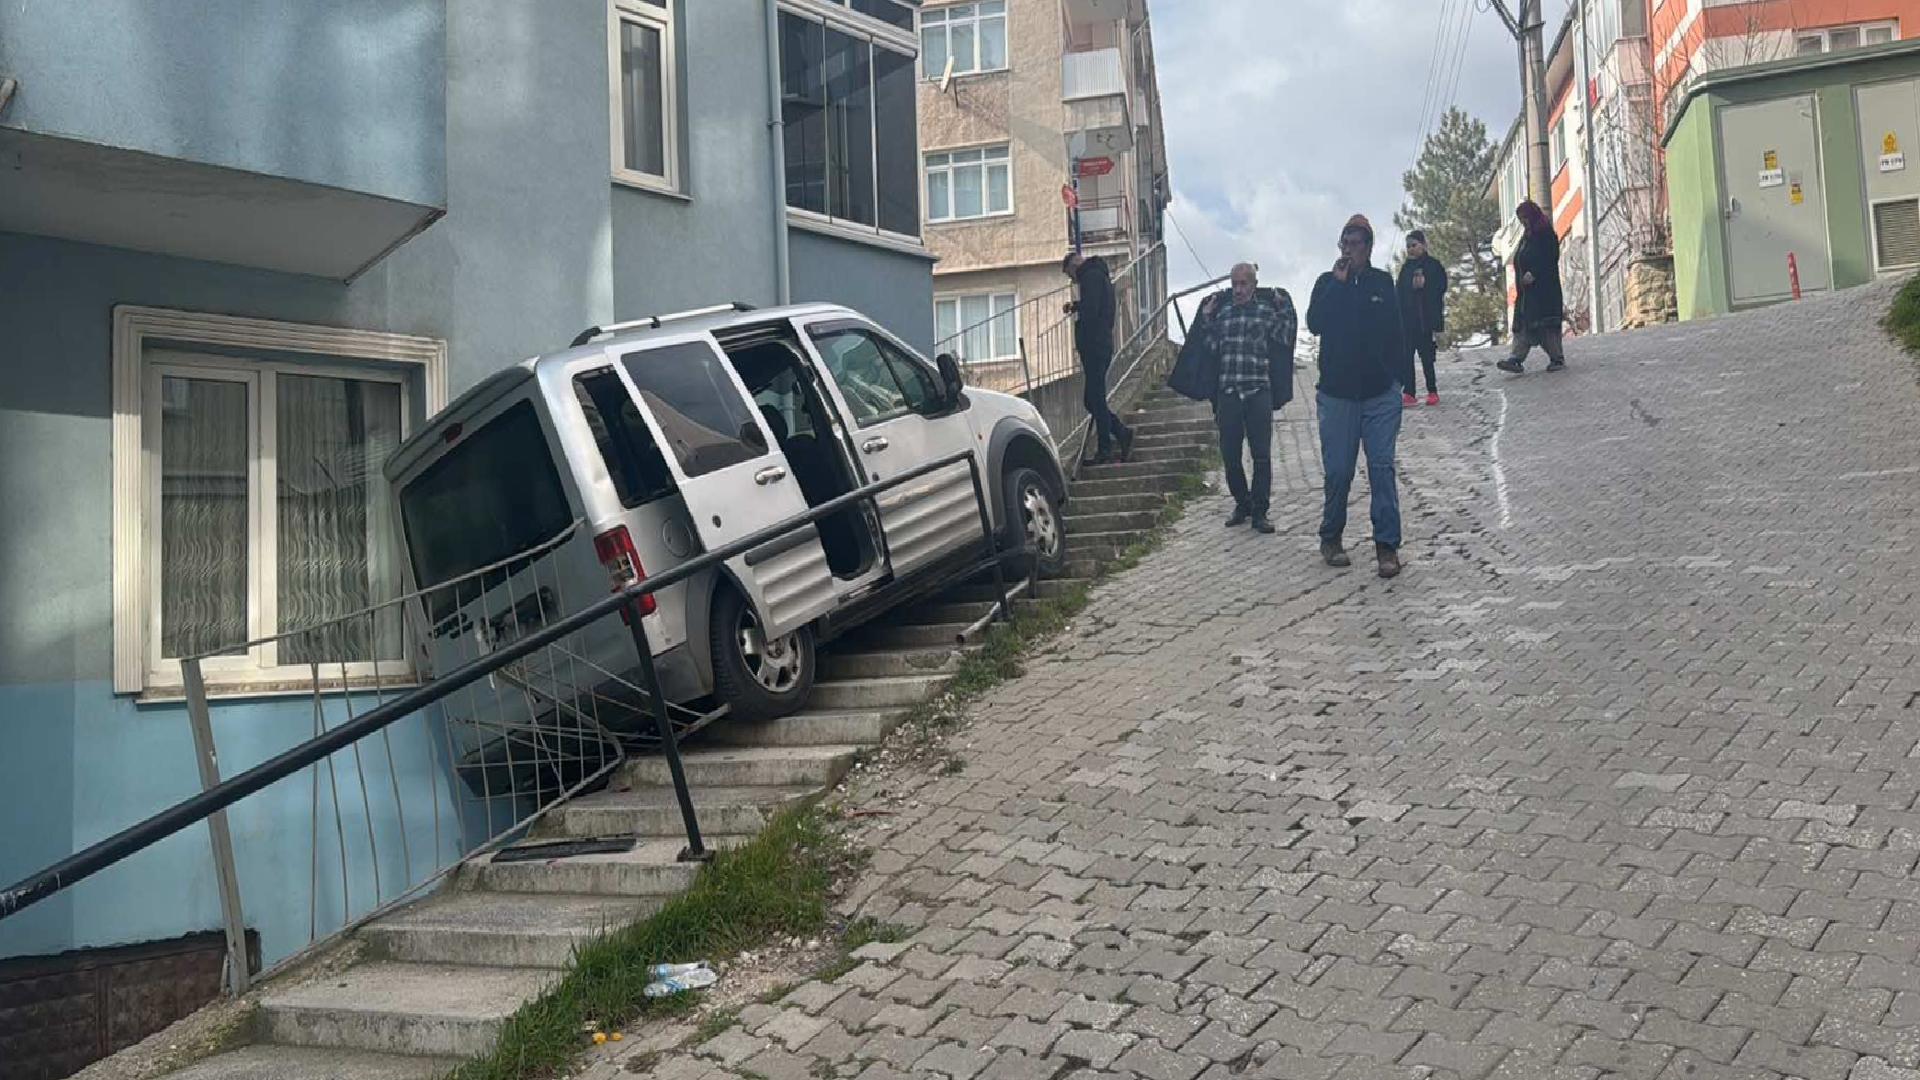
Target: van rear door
{"x":731,"y":473}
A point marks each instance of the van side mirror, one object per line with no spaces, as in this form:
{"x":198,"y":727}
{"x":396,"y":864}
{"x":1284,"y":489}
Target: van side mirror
{"x":951,"y":381}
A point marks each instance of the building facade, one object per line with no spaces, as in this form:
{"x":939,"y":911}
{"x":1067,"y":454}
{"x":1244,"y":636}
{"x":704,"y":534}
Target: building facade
{"x":1617,"y":73}
{"x":1016,"y":97}
{"x":244,"y":248}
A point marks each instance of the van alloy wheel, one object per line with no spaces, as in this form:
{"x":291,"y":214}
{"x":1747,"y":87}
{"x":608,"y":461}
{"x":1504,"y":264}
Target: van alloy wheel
{"x":776,"y":664}
{"x":1043,"y":524}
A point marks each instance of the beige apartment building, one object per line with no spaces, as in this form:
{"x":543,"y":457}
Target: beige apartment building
{"x":1013,"y":94}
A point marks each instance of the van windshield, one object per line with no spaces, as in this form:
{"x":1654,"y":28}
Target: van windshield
{"x":489,"y":498}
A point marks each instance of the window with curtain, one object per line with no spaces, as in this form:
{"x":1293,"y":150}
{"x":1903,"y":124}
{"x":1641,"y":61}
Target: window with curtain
{"x":979,"y":327}
{"x":643,"y":41}
{"x":849,"y":109}
{"x":973,"y":36}
{"x":272,"y":514}
{"x":963,"y":184}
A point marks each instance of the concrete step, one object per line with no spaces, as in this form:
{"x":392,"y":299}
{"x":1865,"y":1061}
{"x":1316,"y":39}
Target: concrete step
{"x":893,"y":637}
{"x":840,"y":695}
{"x":1185,"y":439}
{"x":799,"y":766}
{"x":1102,"y":542}
{"x":1098,"y":523}
{"x":492,"y":929}
{"x":1089,"y":565}
{"x":309,"y":1063}
{"x":1133,"y":470}
{"x":654,"y":812}
{"x":857,"y":728}
{"x":393,"y":1008}
{"x":1155,"y":425}
{"x":1183,"y":452}
{"x":1161,"y":484}
{"x":652,"y":868}
{"x":1117,"y":504}
{"x":942,"y":609}
{"x":891,"y":663}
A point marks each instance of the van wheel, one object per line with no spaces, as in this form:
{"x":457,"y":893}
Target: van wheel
{"x":758,"y":678}
{"x":1035,"y":522}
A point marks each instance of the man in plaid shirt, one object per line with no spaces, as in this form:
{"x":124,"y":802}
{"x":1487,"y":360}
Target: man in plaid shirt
{"x":1251,"y":332}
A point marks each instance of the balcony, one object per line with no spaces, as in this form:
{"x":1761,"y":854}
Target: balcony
{"x":311,"y":139}
{"x":1093,"y":85}
{"x":1083,"y":12}
{"x":1104,"y":221}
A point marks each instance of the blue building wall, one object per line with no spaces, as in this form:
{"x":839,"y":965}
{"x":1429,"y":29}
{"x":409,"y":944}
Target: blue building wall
{"x":537,"y":243}
{"x":347,"y":93}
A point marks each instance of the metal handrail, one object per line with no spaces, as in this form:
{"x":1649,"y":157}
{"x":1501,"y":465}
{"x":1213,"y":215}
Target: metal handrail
{"x":1148,"y":323}
{"x":1068,"y":287}
{"x":127,"y":842}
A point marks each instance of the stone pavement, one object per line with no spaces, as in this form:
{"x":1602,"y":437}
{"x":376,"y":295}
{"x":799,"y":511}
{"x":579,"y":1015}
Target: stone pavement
{"x":1618,"y":780}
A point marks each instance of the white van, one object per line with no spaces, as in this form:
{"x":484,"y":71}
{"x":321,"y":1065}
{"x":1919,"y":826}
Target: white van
{"x":763,"y":413}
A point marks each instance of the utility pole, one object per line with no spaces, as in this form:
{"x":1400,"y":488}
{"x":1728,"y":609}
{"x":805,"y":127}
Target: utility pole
{"x":1525,"y":24}
{"x":1589,"y":172}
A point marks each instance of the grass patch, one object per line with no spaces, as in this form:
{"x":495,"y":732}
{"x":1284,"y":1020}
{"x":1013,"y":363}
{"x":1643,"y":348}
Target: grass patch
{"x":1903,"y":319}
{"x":777,"y":885}
{"x":859,"y":934}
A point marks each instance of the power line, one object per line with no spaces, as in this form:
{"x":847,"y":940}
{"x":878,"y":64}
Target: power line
{"x":1197,"y":261}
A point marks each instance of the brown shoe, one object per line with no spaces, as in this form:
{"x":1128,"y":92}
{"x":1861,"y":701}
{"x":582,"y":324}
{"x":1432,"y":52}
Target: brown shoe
{"x":1389,"y":560}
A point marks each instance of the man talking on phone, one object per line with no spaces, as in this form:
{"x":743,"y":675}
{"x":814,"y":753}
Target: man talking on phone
{"x":1365,"y":364}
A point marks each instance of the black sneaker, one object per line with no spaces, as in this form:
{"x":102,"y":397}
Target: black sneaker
{"x":1262,"y":525}
{"x":1557,"y":365}
{"x":1239,"y":517}
{"x":1126,"y":445}
{"x":1334,"y":554}
{"x":1510,"y":364}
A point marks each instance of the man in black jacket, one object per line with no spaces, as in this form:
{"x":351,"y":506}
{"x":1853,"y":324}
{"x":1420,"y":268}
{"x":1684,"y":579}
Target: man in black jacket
{"x":1093,"y":338}
{"x":1364,"y":365}
{"x":1249,"y":335}
{"x":1423,"y":309}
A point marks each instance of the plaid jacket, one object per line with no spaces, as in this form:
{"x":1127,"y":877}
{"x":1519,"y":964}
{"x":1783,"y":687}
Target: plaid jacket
{"x":1253,"y":342}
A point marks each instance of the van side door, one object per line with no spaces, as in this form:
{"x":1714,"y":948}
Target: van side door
{"x":900,"y":418}
{"x":731,"y":473}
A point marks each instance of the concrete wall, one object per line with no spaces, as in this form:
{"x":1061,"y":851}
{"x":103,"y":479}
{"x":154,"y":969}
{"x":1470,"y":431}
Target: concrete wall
{"x":894,"y":288}
{"x":346,"y":93}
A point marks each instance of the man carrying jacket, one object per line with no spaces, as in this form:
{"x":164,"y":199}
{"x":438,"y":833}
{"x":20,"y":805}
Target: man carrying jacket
{"x":1364,"y":364}
{"x":1093,"y":316}
{"x":1248,"y":333}
{"x":1423,"y":309}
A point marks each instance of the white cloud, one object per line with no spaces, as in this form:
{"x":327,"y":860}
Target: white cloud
{"x":1285,"y":117}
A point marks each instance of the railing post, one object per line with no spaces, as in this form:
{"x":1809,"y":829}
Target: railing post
{"x":239,"y":969}
{"x":1026,"y":370}
{"x":696,"y":851}
{"x":993,"y":540}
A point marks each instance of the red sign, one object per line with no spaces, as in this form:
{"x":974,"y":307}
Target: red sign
{"x":1096,"y":166}
{"x":1069,"y":196}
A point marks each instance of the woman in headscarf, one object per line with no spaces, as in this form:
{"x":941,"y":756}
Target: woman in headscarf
{"x":1540,"y":311}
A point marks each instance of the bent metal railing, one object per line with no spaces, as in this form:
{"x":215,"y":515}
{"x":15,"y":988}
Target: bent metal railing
{"x":549,"y":746}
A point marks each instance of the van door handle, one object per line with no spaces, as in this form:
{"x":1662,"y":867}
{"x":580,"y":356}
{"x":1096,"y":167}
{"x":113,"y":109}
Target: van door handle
{"x":772,"y":474}
{"x":875,"y":444}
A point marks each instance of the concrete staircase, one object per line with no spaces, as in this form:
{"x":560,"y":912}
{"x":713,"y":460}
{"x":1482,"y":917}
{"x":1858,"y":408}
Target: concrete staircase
{"x":437,"y":980}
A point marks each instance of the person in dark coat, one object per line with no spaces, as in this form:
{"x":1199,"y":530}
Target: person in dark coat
{"x":1423,"y":310}
{"x":1364,"y":364}
{"x":1541,"y":309}
{"x":1248,"y":334}
{"x":1093,"y":314}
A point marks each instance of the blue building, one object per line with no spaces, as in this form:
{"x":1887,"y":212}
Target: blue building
{"x":233,"y":229}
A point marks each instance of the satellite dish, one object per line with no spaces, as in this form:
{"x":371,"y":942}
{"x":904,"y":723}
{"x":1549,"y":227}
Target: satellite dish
{"x":946,"y":74}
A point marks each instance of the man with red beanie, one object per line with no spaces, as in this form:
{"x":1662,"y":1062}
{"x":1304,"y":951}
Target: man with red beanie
{"x":1365,"y":364}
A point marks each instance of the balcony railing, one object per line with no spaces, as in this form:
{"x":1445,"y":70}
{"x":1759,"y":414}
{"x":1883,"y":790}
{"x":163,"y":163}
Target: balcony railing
{"x":1091,"y":74}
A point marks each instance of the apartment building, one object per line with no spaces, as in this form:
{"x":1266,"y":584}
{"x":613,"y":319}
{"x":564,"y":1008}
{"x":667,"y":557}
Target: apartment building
{"x":1014,"y":94}
{"x":1623,"y":67}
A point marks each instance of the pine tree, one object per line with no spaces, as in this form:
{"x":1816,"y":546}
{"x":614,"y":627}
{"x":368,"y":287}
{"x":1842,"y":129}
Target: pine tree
{"x":1447,"y":197}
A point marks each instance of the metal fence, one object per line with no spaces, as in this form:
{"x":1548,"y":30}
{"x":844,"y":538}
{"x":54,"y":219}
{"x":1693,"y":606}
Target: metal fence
{"x":1046,"y":369}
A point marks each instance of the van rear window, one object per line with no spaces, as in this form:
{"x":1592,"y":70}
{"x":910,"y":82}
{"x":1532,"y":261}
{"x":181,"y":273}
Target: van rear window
{"x":489,"y":498}
{"x":639,"y":473}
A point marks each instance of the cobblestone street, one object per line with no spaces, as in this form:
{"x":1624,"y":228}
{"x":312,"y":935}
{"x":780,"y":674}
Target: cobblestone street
{"x":1617,"y":780}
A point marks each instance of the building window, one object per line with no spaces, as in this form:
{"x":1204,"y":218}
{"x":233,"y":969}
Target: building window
{"x":963,"y":184}
{"x":1837,"y":38}
{"x":250,"y":499}
{"x":971,"y":36}
{"x":978,"y":327}
{"x":645,"y":75}
{"x":1559,"y":145}
{"x":848,"y":105}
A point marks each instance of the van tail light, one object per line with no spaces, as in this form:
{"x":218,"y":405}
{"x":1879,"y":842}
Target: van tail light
{"x":622,"y":560}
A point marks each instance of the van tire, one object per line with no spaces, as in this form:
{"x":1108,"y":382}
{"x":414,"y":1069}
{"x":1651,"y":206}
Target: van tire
{"x":737,"y":676}
{"x":1033,"y":521}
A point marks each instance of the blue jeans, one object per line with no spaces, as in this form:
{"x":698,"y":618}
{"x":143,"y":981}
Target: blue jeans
{"x":1344,"y":426}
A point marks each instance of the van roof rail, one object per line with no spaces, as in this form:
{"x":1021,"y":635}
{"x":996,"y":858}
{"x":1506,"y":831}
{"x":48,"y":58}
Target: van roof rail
{"x":653,"y":322}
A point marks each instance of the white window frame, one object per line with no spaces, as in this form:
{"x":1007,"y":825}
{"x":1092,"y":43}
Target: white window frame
{"x":960,"y":329}
{"x":1558,"y":145}
{"x":947,"y":20}
{"x":659,"y":19}
{"x":139,"y":333}
{"x":927,"y":169}
{"x":1825,"y":33}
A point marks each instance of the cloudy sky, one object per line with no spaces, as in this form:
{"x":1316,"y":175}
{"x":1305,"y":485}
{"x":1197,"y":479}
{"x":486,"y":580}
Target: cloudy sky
{"x":1285,"y":117}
